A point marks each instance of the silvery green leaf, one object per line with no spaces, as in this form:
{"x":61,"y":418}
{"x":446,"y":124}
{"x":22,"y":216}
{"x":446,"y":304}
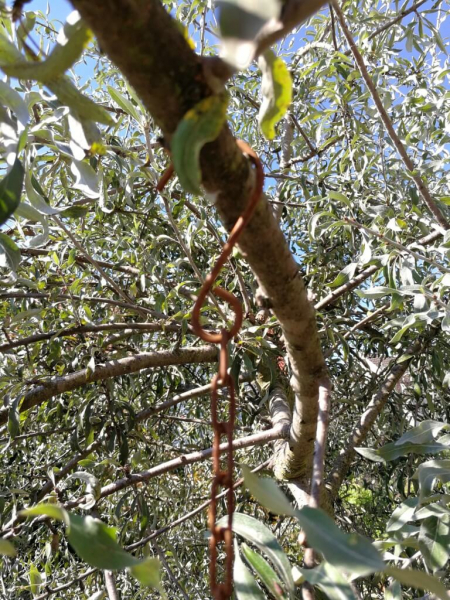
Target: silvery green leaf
{"x":9,"y":97}
{"x":86,"y":179}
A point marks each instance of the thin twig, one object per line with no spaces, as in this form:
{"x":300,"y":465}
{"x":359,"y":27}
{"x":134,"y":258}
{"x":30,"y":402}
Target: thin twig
{"x":397,"y":245}
{"x":95,"y":264}
{"x":421,"y":187}
{"x":401,"y":15}
{"x":192,"y":513}
{"x":189,"y":255}
{"x":39,"y":337}
{"x":174,"y":579}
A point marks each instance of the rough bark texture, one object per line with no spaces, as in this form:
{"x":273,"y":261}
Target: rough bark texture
{"x":114,"y":368}
{"x":141,"y":39}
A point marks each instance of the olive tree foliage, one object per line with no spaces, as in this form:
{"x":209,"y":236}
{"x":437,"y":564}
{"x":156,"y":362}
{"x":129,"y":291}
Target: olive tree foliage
{"x":105,"y":385}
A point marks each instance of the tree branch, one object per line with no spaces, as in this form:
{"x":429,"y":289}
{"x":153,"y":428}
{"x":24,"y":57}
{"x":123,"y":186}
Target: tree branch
{"x":366,"y":273}
{"x":170,"y":79}
{"x":115,"y":368}
{"x":293,"y":13}
{"x":401,"y":15}
{"x":257,"y":439}
{"x":367,"y":419}
{"x":90,"y":299}
{"x":39,"y":337}
{"x":82,"y":260}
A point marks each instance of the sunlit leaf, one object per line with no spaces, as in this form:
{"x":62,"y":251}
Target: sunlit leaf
{"x":245,"y":585}
{"x":9,"y":253}
{"x":255,"y":532}
{"x":434,"y":541}
{"x":199,"y":125}
{"x":267,"y":492}
{"x":6,"y":548}
{"x":351,"y":552}
{"x":330,"y":580}
{"x":265,"y":572}
{"x":240,"y":21}
{"x":418,"y":580}
{"x":276,"y":91}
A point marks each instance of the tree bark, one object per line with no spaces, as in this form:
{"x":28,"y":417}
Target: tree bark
{"x":114,"y":368}
{"x":141,"y":38}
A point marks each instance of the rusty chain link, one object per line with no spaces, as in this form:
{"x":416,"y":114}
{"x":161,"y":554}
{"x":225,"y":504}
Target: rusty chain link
{"x":223,"y":478}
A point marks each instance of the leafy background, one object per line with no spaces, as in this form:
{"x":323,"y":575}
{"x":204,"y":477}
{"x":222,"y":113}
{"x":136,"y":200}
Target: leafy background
{"x":100,"y":184}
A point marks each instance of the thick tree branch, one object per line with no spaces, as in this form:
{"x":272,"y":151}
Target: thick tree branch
{"x":170,"y":79}
{"x":321,"y":442}
{"x":115,"y":368}
{"x":110,"y":585}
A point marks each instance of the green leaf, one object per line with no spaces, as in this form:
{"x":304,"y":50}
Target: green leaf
{"x":148,"y":572}
{"x":35,"y":580}
{"x":422,"y":434}
{"x":345,"y":275}
{"x":86,"y":179}
{"x":429,"y":472}
{"x":245,"y":586}
{"x":418,"y":580}
{"x":6,"y":548}
{"x":268,"y":493}
{"x":71,"y":41}
{"x":276,"y":89}
{"x":199,"y":125}
{"x":93,"y":487}
{"x":70,"y":96}
{"x":9,"y":253}
{"x":50,"y":510}
{"x":124,"y":103}
{"x":255,"y":532}
{"x":434,"y":541}
{"x":11,"y":190}
{"x":268,"y":576}
{"x":14,"y":101}
{"x":352,"y":552}
{"x":333,"y":195}
{"x":392,"y":451}
{"x":75,"y":212}
{"x":432,"y":510}
{"x":402,"y":514}
{"x":330,"y":580}
{"x":377,"y":292}
{"x":393,"y":592}
{"x":96,"y":544}
{"x":14,"y":418}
